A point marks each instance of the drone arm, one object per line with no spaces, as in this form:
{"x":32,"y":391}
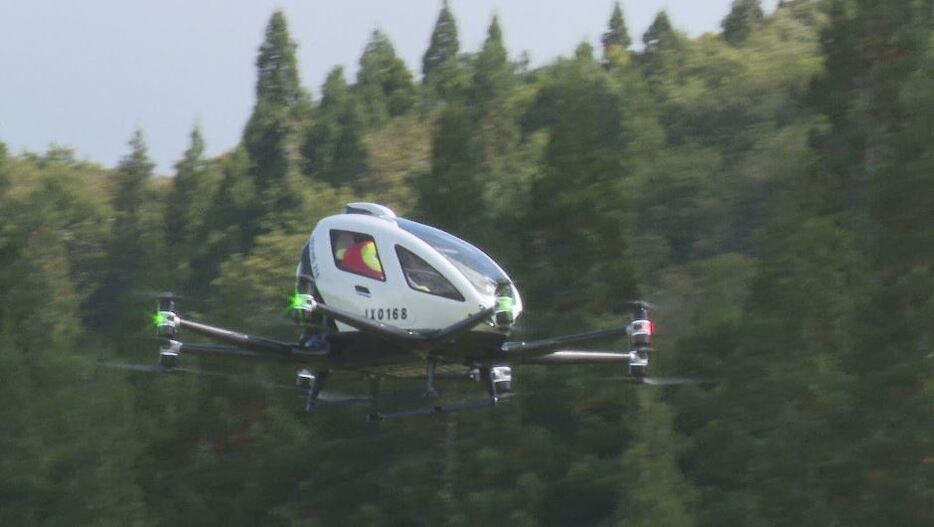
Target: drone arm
{"x":227,"y":351}
{"x":569,"y":357}
{"x":240,"y":340}
{"x":555,"y":343}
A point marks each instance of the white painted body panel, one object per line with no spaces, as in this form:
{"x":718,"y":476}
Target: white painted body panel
{"x":388,"y":299}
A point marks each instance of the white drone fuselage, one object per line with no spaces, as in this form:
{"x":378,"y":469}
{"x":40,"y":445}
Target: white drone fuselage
{"x":398,"y":299}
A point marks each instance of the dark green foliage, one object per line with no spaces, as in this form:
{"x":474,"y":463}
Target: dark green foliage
{"x":277,"y":80}
{"x":450,"y":192}
{"x":135,"y":239}
{"x":579,"y":212}
{"x":770,"y":187}
{"x":333,"y":147}
{"x":441,"y":54}
{"x":191,"y":188}
{"x":384,"y":85}
{"x":660,"y":34}
{"x":616,"y":33}
{"x":492,"y":73}
{"x":744,"y":17}
{"x":134,"y":169}
{"x":272,"y":135}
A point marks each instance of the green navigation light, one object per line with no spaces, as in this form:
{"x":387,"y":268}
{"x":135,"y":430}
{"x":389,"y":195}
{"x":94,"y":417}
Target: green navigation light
{"x":505,"y":303}
{"x":296,"y":302}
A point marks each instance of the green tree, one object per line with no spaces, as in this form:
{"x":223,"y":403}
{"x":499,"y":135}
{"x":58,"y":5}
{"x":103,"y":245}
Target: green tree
{"x":384,"y":84}
{"x":744,"y":17}
{"x":616,"y":33}
{"x":439,"y":64}
{"x":333,"y":147}
{"x":578,"y":207}
{"x":190,"y":189}
{"x":449,"y":193}
{"x":660,"y":34}
{"x":134,"y":245}
{"x":272,"y":134}
{"x":396,"y":155}
{"x":870,"y":49}
{"x":495,"y":104}
{"x":654,"y":491}
{"x":231,"y":223}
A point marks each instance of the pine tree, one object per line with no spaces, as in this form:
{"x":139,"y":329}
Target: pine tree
{"x":578,"y":209}
{"x":333,"y":148}
{"x":870,"y":49}
{"x":664,"y":52}
{"x":272,"y":135}
{"x":133,"y":171}
{"x":654,"y":492}
{"x":659,"y":35}
{"x":492,"y":98}
{"x":495,"y":109}
{"x":442,"y":51}
{"x":616,"y":34}
{"x":231,"y":223}
{"x":491,"y":71}
{"x":187,"y":187}
{"x":449,"y":193}
{"x":278,"y":82}
{"x":384,"y":83}
{"x":744,"y":17}
{"x":130,"y":253}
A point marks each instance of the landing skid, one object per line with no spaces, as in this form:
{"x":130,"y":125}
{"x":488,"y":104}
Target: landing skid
{"x":496,"y":380}
{"x":435,"y":410}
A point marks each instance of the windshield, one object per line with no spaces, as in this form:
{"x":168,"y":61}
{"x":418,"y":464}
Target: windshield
{"x":482,"y":271}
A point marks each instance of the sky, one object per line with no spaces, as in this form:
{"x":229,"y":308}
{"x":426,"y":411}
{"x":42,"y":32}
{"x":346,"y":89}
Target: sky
{"x":86,"y":74}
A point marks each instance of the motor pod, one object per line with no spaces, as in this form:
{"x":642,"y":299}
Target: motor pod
{"x":501,"y":377}
{"x":641,"y":328}
{"x":302,"y":307}
{"x":638,"y":363}
{"x":640,"y":340}
{"x":304,"y":379}
{"x":168,"y":354}
{"x":166,"y":319}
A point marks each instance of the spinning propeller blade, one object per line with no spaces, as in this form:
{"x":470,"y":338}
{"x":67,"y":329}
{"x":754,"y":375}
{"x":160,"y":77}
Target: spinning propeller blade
{"x":325,"y":396}
{"x":640,"y":303}
{"x":659,"y":381}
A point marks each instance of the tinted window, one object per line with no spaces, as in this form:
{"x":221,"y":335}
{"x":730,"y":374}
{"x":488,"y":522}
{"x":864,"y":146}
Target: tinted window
{"x":482,"y":271}
{"x":356,"y":253}
{"x":421,"y":276}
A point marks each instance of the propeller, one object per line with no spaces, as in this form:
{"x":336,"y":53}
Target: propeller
{"x":328,"y":396}
{"x":659,"y":381}
{"x":155,"y":368}
{"x":150,"y":294}
{"x":640,"y":303}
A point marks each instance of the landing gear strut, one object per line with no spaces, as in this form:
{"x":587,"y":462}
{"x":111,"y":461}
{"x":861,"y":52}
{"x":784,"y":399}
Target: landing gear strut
{"x":313,"y":383}
{"x":498,"y":382}
{"x":430,"y":390}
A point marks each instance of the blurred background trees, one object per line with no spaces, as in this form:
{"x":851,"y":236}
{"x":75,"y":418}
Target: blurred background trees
{"x":771,"y":186}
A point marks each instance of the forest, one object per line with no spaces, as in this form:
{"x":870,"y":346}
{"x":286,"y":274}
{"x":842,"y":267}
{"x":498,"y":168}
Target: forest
{"x":770,"y":187}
